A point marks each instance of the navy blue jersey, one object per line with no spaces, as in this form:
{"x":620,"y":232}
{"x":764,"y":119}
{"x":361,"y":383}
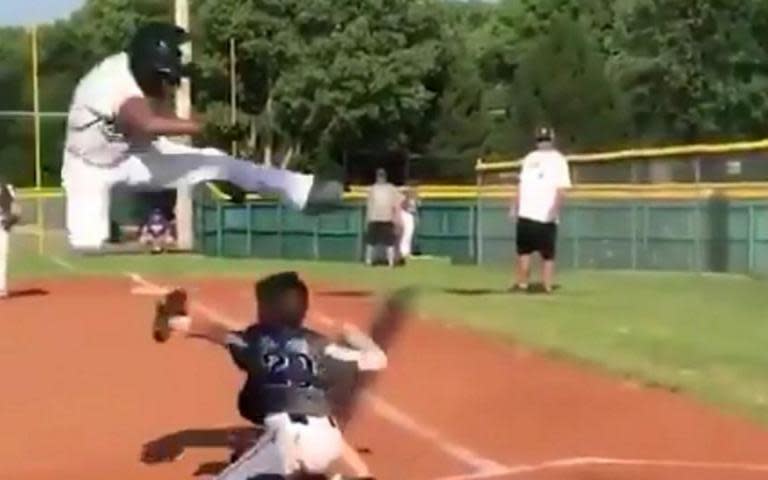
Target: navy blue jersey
{"x":286,"y":371}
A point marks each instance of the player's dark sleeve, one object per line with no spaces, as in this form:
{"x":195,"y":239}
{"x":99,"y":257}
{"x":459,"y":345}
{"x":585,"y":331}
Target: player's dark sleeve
{"x":343,"y":379}
{"x":244,"y":354}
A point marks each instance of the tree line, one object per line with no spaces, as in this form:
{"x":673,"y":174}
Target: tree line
{"x":332,"y":84}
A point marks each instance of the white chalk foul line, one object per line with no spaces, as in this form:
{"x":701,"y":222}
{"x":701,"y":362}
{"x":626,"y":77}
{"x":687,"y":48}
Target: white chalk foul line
{"x":151,"y":292}
{"x":482,"y":467}
{"x":566,"y":463}
{"x":62,"y":263}
{"x":155,"y":289}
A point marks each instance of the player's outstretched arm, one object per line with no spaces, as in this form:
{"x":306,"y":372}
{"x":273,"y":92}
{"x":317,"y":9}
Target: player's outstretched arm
{"x":172,"y":315}
{"x":364,"y":352}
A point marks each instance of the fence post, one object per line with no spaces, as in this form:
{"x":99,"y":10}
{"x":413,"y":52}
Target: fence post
{"x":698,"y":250}
{"x":750,"y":239}
{"x":249,"y":226}
{"x":219,"y":229}
{"x":280,"y":252}
{"x":360,"y":231}
{"x":316,"y":239}
{"x":479,"y":207}
{"x":471,"y":246}
{"x":633,"y":226}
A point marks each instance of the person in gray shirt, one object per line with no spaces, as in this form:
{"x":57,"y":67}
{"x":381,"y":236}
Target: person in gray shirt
{"x":382,"y":217}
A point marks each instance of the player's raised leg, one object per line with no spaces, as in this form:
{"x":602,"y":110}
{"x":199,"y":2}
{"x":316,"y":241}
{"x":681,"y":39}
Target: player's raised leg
{"x":170,"y":164}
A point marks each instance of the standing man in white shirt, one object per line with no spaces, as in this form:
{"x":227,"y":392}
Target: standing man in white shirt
{"x":116,"y":134}
{"x":544,"y":177}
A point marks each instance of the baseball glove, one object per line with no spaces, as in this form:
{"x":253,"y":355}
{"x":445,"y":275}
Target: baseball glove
{"x":174,"y":304}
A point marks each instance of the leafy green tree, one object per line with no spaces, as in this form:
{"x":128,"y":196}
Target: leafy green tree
{"x":694,"y":70}
{"x":561,"y":80}
{"x":327,"y":76}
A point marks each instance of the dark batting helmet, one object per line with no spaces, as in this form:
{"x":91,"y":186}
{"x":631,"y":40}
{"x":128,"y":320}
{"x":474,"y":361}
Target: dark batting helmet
{"x":155,"y":56}
{"x":545,"y":134}
{"x":283,"y":299}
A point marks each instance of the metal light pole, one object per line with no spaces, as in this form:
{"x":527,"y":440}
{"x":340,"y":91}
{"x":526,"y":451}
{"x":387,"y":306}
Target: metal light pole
{"x":38,"y":140}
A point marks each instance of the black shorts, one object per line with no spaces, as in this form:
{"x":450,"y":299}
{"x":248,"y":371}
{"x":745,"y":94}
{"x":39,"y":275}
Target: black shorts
{"x":381,"y":233}
{"x":533,"y":236}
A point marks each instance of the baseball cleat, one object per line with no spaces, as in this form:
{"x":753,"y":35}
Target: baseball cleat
{"x":161,"y":329}
{"x":518,"y":288}
{"x":325,"y":195}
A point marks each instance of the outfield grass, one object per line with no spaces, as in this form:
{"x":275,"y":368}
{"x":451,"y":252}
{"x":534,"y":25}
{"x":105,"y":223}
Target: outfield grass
{"x":707,"y":335}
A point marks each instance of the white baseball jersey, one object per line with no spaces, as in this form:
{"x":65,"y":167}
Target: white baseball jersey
{"x":91,"y":131}
{"x":543,"y":173}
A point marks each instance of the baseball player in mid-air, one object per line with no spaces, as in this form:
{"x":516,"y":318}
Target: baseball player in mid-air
{"x":116,"y":134}
{"x":8,"y":218}
{"x":289,"y":376}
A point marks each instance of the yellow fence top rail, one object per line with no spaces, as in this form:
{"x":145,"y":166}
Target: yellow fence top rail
{"x":743,"y":190}
{"x":640,"y":153}
{"x":754,"y":190}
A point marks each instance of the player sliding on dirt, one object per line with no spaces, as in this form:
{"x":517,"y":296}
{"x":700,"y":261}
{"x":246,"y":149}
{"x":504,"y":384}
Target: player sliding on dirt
{"x":288,"y":378}
{"x":116,"y":130}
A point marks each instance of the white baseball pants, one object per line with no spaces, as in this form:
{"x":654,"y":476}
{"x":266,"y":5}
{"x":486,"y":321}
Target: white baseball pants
{"x":408,"y":224}
{"x":166,"y":165}
{"x":288,"y":447}
{"x":4,"y":250}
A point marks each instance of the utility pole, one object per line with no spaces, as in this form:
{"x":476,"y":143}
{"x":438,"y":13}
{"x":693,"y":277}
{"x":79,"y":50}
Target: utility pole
{"x":184,"y":94}
{"x":184,"y":214}
{"x":233,"y":88}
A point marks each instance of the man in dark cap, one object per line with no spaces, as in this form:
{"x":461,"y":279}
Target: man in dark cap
{"x":544,"y":177}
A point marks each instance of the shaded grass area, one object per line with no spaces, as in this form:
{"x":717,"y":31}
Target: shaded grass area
{"x":706,"y":335}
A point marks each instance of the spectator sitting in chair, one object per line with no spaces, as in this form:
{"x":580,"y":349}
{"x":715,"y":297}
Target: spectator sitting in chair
{"x":157,"y":233}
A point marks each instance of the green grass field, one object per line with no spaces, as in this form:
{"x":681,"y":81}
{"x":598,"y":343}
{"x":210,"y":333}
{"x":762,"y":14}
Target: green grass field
{"x":705,"y":335}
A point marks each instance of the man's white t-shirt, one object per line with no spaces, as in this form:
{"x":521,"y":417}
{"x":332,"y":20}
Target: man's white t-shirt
{"x":91,"y":131}
{"x":543,"y":173}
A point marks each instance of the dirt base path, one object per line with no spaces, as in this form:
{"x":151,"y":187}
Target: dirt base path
{"x":84,"y":389}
